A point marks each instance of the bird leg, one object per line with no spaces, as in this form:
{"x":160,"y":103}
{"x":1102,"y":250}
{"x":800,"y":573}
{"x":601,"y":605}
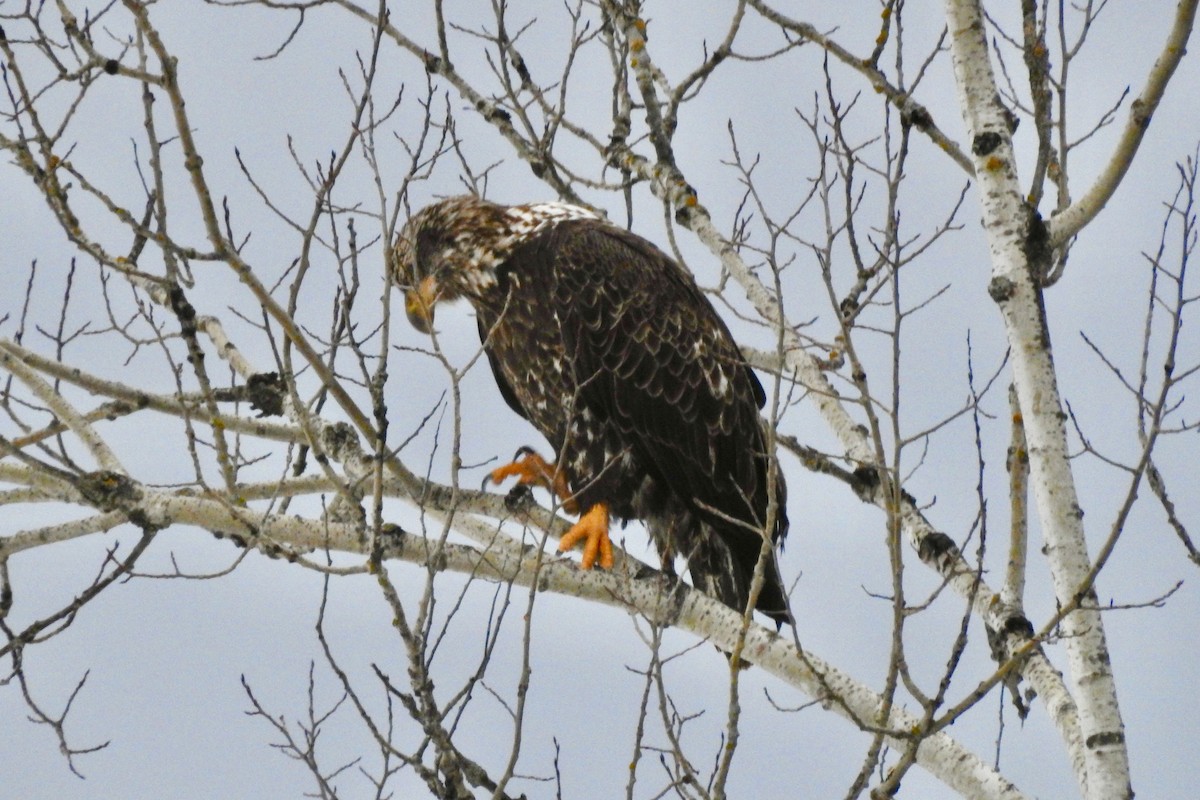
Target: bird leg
{"x":592,"y":530}
{"x":533,"y":470}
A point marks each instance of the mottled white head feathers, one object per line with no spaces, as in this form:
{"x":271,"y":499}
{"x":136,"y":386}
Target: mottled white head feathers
{"x":452,"y":248}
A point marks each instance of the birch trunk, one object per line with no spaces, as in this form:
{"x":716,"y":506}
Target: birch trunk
{"x":1018,"y":246}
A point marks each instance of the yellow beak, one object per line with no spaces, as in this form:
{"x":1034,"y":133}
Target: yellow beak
{"x":418,"y":304}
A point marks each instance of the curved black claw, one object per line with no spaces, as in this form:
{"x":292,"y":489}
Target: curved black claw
{"x":524,"y":450}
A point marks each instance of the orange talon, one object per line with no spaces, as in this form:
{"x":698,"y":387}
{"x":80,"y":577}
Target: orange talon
{"x":530,"y":469}
{"x":533,"y":470}
{"x":592,"y":530}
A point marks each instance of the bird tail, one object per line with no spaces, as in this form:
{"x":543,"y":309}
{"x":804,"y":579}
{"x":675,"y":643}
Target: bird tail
{"x":727,"y":574}
{"x":722,"y":565}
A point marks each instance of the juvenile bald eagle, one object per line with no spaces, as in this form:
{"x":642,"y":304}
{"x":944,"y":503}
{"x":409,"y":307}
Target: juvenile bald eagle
{"x":610,"y":349}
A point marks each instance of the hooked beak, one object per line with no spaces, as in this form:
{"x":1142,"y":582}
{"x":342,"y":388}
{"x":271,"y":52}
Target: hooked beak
{"x":418,"y":304}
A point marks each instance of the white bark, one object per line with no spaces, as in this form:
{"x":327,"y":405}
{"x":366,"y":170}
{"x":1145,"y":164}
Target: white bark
{"x":499,"y":559}
{"x":1104,"y":771}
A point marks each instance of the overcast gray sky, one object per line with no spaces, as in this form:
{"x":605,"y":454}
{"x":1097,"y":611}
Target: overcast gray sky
{"x":164,"y":658}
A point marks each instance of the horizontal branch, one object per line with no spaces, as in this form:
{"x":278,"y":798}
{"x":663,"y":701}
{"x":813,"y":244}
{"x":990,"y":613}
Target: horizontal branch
{"x":190,"y":406}
{"x":631,"y":585}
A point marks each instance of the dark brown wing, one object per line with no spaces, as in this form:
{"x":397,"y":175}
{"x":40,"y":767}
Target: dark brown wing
{"x":506,"y":391}
{"x":652,"y":355}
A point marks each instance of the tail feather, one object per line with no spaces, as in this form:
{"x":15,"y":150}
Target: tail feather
{"x":727,"y":574}
{"x":718,"y":568}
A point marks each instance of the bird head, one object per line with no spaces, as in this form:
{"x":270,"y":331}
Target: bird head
{"x":446,"y":251}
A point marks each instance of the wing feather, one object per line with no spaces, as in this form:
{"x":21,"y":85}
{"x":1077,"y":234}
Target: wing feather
{"x":506,"y":390}
{"x":653,"y":355}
